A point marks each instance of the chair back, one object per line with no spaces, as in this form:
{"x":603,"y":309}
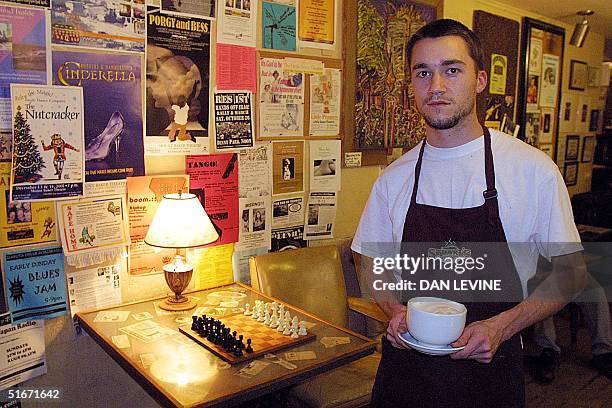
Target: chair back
{"x":309,"y":278}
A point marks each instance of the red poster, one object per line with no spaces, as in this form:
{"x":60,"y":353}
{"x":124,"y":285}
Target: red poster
{"x":214,"y":179}
{"x":236,"y":68}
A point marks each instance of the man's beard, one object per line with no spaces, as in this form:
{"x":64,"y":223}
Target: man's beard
{"x":451,"y":122}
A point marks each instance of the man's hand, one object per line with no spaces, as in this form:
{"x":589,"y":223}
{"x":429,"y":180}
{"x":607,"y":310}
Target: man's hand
{"x":397,"y":325}
{"x":481,"y":340}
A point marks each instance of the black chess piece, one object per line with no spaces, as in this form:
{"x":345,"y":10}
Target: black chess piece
{"x":249,"y":348}
{"x":194,"y":324}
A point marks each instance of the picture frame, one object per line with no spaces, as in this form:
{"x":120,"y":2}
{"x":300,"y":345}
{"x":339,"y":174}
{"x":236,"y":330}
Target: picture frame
{"x":570,"y":173}
{"x":578,"y":75}
{"x":594,"y":76}
{"x":594,"y":120}
{"x":572,"y":143}
{"x":588,"y":149}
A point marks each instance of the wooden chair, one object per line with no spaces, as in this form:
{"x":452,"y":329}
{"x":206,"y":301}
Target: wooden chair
{"x":312,"y":279}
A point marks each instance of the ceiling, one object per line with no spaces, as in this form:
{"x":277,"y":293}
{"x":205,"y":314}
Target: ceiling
{"x":565,"y":10}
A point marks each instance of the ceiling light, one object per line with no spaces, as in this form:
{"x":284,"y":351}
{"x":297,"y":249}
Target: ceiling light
{"x":581,"y":29}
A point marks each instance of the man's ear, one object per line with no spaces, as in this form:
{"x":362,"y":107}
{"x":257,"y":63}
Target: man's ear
{"x":481,"y":81}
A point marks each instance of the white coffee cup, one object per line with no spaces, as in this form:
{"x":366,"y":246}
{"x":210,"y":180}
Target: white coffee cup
{"x":435,"y":321}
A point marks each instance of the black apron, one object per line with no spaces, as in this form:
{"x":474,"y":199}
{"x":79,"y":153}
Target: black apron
{"x":407,"y":378}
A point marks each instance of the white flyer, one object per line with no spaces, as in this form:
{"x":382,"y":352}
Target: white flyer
{"x":93,"y":288}
{"x":325,"y":103}
{"x":23,"y":348}
{"x":254,"y":171}
{"x":287,"y":210}
{"x":321,"y":215}
{"x":255,"y":223}
{"x":237,"y":22}
{"x":325,"y":165}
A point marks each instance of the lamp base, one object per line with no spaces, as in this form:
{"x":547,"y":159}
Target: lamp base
{"x":172,"y":305}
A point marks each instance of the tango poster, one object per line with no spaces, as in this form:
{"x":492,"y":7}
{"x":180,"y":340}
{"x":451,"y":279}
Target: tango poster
{"x":113,"y":128}
{"x":24,"y":222}
{"x":177,"y":85}
{"x":110,"y":24}
{"x":214,"y":180}
{"x":35,"y":284}
{"x":233,"y":120}
{"x":93,"y":230}
{"x":144,"y":195}
{"x":48,"y":160}
{"x":24,"y":55}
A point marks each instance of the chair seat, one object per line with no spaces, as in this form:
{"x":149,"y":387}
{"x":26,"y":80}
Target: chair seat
{"x":347,"y":386}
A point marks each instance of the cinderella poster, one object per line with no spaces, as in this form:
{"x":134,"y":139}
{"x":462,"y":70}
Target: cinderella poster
{"x":113,"y":127}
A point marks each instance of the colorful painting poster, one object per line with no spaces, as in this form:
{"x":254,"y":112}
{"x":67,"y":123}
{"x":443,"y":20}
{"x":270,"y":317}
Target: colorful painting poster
{"x":144,"y":195}
{"x":198,"y":8}
{"x":48,"y":159}
{"x":317,"y":23}
{"x":278,"y":25}
{"x":35,"y":285}
{"x":93,"y":230}
{"x":24,"y":55}
{"x":287,"y":167}
{"x":113,"y":128}
{"x":23,"y":346}
{"x":178,"y":72}
{"x":549,"y":86}
{"x":237,"y":22}
{"x":325,"y":103}
{"x":111,"y":24}
{"x":24,"y":222}
{"x":288,"y":238}
{"x":498,"y":75}
{"x":214,"y":180}
{"x":235,"y":67}
{"x":234,"y":120}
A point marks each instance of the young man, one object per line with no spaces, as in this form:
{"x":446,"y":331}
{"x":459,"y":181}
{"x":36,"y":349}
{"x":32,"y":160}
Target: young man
{"x":462,"y":187}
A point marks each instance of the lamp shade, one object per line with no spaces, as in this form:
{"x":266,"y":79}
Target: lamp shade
{"x":180,"y":222}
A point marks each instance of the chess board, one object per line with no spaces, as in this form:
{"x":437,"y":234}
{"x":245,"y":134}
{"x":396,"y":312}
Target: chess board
{"x":264,"y":339}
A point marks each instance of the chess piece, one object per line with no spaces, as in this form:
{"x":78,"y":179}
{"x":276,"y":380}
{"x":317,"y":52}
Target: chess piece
{"x":274,"y":318}
{"x":302,"y":331}
{"x":266,"y":320}
{"x":294,"y":328}
{"x":262,"y":313}
{"x":256,"y":310}
{"x":287,"y":330}
{"x":281,"y":324}
{"x":247,"y":310}
{"x":249,"y":348}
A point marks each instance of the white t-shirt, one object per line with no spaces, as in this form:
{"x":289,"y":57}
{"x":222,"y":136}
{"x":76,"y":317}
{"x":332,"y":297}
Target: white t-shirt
{"x":180,"y":114}
{"x":534,"y":205}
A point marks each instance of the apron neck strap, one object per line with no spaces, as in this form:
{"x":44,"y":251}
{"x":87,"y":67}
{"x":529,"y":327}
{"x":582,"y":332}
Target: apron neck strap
{"x":417,"y":172}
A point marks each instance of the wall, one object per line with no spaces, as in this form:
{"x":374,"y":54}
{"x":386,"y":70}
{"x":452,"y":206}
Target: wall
{"x":592,"y":53}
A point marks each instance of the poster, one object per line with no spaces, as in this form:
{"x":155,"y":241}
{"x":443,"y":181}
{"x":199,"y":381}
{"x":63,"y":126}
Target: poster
{"x":235,"y":68}
{"x":111,"y":24}
{"x":287,"y":167}
{"x":582,"y":111}
{"x":214,"y":180}
{"x":23,"y":348}
{"x":39,"y":3}
{"x":288,"y":238}
{"x":281,"y":96}
{"x":287,"y":210}
{"x":93,"y":229}
{"x":317,"y":23}
{"x":24,"y":58}
{"x":499,"y":73}
{"x":278,"y":25}
{"x":549,"y":85}
{"x":533,"y":89}
{"x":321,"y":215}
{"x":94,"y":288}
{"x":213,"y":265}
{"x":548,"y":125}
{"x":324,"y":165}
{"x":35,"y":285}
{"x":255,"y":223}
{"x":325,"y":103}
{"x":24,"y":222}
{"x":48,"y":161}
{"x":532,"y":128}
{"x":199,"y":8}
{"x":113,"y":128}
{"x":535,"y":55}
{"x":254,"y":175}
{"x":177,"y":86}
{"x":568,"y":113}
{"x":234,"y":120}
{"x":237,"y":22}
{"x":144,"y":194}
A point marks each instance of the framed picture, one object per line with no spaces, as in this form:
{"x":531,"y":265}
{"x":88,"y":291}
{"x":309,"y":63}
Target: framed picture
{"x":594,"y":74}
{"x":570,"y":173}
{"x":509,"y":127}
{"x":548,"y":119}
{"x":578,"y":75}
{"x":571,"y":147}
{"x":588,"y":148}
{"x":594,"y":121}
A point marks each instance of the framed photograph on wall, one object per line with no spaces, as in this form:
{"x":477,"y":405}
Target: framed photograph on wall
{"x":572,"y":143}
{"x":594,"y":121}
{"x":548,"y":122}
{"x":594,"y":74}
{"x":570,"y":173}
{"x":578,"y":75}
{"x":588,"y":148}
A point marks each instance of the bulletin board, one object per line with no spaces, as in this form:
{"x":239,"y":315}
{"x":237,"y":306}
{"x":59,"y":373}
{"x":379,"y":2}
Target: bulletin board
{"x":541,"y":74}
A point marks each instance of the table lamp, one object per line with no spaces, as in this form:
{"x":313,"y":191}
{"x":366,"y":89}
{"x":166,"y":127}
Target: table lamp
{"x":180,"y":222}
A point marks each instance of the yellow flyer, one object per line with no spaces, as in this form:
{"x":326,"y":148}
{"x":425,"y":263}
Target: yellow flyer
{"x":24,"y":222}
{"x":316,"y":23}
{"x":212,"y":266}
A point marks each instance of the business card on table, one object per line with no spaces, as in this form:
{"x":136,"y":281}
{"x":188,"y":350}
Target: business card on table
{"x":122,"y":341}
{"x":142,"y":316}
{"x":334,"y":341}
{"x":300,"y":355}
{"x":111,"y":316}
{"x":253,"y":368}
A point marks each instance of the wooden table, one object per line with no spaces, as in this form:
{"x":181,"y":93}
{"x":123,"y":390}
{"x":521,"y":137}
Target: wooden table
{"x":179,"y":373}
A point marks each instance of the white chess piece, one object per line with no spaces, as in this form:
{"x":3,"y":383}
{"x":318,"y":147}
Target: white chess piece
{"x":294,"y":328}
{"x":266,"y":320}
{"x":287,"y":330}
{"x":281,"y":311}
{"x":302,"y":331}
{"x":274,"y":318}
{"x":281,"y":324}
{"x":247,"y":310}
{"x":255,"y":314}
{"x":262,"y":312}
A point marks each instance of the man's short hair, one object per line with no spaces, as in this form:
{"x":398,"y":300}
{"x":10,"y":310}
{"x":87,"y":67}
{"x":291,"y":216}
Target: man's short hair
{"x":443,"y":28}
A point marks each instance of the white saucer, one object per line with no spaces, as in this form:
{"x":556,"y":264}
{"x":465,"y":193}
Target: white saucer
{"x":431,"y":349}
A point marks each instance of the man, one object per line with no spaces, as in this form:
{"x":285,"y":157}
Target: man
{"x":465,"y":187}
